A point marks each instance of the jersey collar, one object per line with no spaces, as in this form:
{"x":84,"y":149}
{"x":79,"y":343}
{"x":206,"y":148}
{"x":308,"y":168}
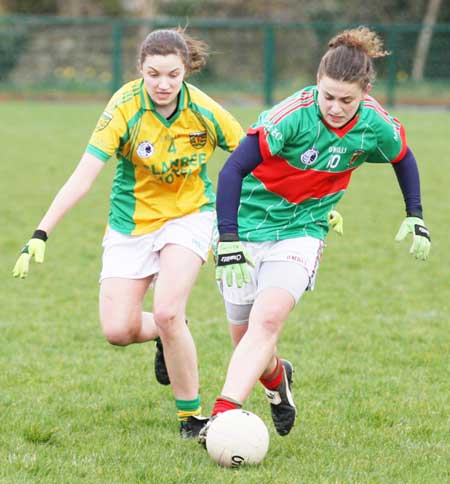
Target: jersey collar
{"x":341,"y":132}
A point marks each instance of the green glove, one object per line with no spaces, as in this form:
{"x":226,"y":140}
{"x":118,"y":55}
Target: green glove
{"x":232,"y":258}
{"x":35,"y":248}
{"x":336,"y":222}
{"x":421,"y":236}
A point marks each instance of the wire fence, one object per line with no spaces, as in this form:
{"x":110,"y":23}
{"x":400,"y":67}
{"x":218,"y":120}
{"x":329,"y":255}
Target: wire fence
{"x":251,"y":61}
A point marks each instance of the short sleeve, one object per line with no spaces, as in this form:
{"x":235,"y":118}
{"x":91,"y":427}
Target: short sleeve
{"x":276,"y":126}
{"x":231,"y":131}
{"x":109,"y":130}
{"x":391,"y":137}
{"x":273,"y":132}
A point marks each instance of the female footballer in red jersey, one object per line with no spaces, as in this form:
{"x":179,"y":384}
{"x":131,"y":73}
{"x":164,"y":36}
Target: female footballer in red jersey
{"x":273,"y":197}
{"x":163,"y":132}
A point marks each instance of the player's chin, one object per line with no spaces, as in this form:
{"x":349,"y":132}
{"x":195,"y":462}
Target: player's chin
{"x":336,"y":122}
{"x":163,"y":99}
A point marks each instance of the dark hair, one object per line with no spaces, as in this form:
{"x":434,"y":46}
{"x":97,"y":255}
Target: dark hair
{"x":193,"y":52}
{"x":349,"y":56}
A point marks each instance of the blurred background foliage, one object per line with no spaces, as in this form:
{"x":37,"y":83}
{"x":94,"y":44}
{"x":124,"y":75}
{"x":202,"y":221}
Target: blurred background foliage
{"x":270,"y":47}
{"x":343,"y":11}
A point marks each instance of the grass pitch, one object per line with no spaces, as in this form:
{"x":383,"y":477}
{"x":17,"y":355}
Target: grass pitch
{"x":370,"y":345}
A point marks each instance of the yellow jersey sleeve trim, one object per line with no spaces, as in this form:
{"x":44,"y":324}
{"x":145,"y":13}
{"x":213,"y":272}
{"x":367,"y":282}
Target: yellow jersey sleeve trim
{"x":98,"y":153}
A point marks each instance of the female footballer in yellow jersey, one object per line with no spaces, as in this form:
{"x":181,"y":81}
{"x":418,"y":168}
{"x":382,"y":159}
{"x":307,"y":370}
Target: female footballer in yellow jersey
{"x":163,"y":132}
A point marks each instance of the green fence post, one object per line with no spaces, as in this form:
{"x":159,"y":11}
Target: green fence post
{"x":392,"y":68}
{"x":116,"y":61}
{"x":269,"y":57}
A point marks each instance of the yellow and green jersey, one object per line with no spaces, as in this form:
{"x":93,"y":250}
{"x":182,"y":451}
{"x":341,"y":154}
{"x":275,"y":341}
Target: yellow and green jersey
{"x":161,"y":172}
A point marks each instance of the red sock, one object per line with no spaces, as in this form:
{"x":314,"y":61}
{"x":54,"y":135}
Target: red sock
{"x":224,"y":404}
{"x":273,"y":380}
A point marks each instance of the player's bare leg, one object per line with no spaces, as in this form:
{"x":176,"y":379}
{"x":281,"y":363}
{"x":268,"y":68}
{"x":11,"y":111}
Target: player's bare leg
{"x":270,"y":310}
{"x":237,"y":331}
{"x":121,"y":316}
{"x":258,"y":345}
{"x":179,"y":268}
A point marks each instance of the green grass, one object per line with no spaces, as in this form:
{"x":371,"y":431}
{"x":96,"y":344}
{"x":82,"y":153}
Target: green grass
{"x":370,"y":344}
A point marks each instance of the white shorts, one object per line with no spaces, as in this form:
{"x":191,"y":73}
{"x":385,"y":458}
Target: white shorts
{"x":137,"y":256}
{"x":303,"y":252}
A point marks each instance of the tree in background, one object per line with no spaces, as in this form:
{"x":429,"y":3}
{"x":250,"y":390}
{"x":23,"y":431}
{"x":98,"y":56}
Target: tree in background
{"x":424,"y":40}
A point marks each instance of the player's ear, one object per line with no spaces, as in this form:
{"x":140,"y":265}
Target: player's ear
{"x":367,"y":89}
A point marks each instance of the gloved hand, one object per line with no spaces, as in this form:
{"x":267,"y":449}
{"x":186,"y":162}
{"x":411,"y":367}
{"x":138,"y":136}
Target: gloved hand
{"x":34,"y":248}
{"x":232,"y":258}
{"x":421,"y":236}
{"x":336,"y":222}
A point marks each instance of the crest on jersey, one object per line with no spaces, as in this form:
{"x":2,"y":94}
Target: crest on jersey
{"x":104,"y":120}
{"x":356,"y":154}
{"x":309,"y":157}
{"x":145,"y":149}
{"x":198,"y":139}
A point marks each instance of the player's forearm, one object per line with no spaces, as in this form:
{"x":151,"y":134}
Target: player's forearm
{"x":75,"y":188}
{"x":228,"y":194}
{"x":408,"y":178}
{"x":67,"y":197}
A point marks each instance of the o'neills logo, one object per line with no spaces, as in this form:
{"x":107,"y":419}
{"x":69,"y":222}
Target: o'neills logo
{"x":310,"y":156}
{"x":237,"y":258}
{"x":237,"y":460}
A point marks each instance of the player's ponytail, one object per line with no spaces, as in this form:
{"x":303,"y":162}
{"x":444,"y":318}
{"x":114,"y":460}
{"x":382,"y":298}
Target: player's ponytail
{"x":349,"y":56}
{"x":198,"y":51}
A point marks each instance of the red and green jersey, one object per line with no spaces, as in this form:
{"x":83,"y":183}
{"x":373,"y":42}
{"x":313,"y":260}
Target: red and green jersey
{"x":307,"y":165}
{"x":161,"y":172}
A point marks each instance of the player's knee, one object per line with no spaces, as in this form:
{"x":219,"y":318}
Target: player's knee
{"x":272,"y":322}
{"x":119,"y":335}
{"x":164,"y":314}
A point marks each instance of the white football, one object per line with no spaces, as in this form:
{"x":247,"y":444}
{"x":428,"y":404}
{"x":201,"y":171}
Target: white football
{"x":237,"y":437}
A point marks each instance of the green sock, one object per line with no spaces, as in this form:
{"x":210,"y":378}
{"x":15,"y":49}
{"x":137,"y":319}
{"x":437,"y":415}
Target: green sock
{"x":186,"y":408}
